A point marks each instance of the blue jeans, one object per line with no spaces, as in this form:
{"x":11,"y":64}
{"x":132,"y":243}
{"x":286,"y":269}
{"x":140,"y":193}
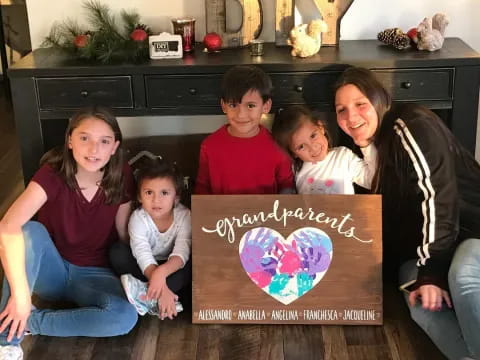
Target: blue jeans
{"x":103,"y":308}
{"x":464,"y":282}
{"x":454,"y":332}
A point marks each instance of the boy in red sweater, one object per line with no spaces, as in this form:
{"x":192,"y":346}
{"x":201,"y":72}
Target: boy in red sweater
{"x":241,"y":157}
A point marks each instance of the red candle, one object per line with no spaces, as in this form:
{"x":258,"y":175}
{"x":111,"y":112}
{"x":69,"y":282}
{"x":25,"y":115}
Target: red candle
{"x":186,"y":28}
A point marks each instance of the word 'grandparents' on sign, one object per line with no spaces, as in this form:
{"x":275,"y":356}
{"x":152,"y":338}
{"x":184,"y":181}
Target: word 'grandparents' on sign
{"x":287,"y":259}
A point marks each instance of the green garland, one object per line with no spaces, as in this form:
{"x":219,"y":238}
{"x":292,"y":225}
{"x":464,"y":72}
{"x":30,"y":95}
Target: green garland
{"x":104,"y":42}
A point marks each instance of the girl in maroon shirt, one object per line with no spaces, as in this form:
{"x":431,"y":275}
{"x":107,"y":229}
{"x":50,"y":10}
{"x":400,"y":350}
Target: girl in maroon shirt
{"x":82,"y":195}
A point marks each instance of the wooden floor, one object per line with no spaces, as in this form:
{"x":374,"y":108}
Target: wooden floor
{"x":398,"y":338}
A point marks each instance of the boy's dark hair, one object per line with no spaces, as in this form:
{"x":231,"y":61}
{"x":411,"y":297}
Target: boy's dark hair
{"x":158,"y":168}
{"x":241,"y":79}
{"x":62,"y":161}
{"x":289,"y":120}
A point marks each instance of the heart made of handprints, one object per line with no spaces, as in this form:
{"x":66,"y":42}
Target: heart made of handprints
{"x":287,"y":268}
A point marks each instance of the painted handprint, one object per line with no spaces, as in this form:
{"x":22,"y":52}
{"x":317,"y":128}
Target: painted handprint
{"x":315,"y":260}
{"x":316,"y":249}
{"x":256,"y":243}
{"x":286,"y":268}
{"x":288,"y":257}
{"x":312,"y":237}
{"x":304,"y":283}
{"x":279,"y":283}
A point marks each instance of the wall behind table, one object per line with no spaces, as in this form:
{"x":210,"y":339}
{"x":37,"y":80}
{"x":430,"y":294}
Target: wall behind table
{"x":364,"y":19}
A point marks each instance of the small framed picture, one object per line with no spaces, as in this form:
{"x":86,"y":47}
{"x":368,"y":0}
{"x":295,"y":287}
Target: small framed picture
{"x":165,"y":46}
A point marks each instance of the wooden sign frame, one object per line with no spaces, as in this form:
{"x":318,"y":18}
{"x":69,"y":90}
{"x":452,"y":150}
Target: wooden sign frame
{"x":274,"y":259}
{"x":332,"y":12}
{"x":252,"y":22}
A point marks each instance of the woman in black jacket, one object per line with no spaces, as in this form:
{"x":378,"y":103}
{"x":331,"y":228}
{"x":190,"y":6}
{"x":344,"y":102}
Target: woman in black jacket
{"x":430,"y":187}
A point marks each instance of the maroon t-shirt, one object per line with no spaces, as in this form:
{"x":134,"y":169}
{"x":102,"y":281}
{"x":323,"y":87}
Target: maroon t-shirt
{"x":82,"y":231}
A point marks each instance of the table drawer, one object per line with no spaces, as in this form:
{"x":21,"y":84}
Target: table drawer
{"x":76,"y":92}
{"x":418,"y":84}
{"x":177,"y":90}
{"x":310,"y":88}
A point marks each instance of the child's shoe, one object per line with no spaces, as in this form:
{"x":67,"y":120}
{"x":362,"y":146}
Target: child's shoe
{"x":155,"y":311}
{"x":11,"y":352}
{"x":178,"y":306}
{"x":136,"y":291}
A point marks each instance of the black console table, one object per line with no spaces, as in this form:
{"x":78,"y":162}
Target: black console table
{"x":48,"y":87}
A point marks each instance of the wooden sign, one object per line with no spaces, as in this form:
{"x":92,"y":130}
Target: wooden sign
{"x":331,"y":11}
{"x":284,"y":20}
{"x":252,"y":22}
{"x":274,"y":259}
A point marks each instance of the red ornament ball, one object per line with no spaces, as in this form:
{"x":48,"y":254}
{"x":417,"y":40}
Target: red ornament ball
{"x":138,"y":35}
{"x":212,"y":41}
{"x":412,"y":34}
{"x":80,"y":41}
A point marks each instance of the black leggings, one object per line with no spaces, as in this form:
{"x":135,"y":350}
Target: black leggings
{"x":123,"y":262}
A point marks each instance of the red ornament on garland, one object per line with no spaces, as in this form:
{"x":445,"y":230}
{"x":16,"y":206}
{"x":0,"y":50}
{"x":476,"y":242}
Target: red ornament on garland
{"x":80,"y":41}
{"x":212,"y":41}
{"x":138,"y":35}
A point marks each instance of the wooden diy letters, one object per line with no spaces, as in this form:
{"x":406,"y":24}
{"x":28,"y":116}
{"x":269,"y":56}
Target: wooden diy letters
{"x":331,"y":11}
{"x":252,"y":21}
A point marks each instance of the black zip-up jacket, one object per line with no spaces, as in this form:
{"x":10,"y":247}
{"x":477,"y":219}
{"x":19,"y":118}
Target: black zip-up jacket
{"x":439,"y":204}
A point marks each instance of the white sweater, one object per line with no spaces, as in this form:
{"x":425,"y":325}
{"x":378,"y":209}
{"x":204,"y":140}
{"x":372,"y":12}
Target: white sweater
{"x":149,"y":245}
{"x":336,"y":173}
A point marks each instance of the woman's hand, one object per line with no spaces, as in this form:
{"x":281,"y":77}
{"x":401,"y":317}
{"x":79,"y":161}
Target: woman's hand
{"x":156,"y":284}
{"x":431,"y":297}
{"x":166,"y":304}
{"x":16,"y":314}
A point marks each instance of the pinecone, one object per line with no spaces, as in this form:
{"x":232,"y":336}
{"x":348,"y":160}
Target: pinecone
{"x":401,"y":42}
{"x":394,"y":37}
{"x":386,"y":36}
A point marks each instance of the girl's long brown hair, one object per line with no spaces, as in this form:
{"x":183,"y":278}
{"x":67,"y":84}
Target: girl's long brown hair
{"x":62,"y":161}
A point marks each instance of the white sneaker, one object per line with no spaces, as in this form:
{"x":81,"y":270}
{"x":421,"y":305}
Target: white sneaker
{"x":136,"y":290}
{"x":11,"y":352}
{"x":178,"y":308}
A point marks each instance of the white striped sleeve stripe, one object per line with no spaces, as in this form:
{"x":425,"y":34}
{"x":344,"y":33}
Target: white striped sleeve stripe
{"x":424,"y":182}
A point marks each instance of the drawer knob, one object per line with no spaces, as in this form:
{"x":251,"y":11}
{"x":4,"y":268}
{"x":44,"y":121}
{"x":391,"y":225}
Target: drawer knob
{"x":406,"y":84}
{"x":84,"y":93}
{"x":298,"y":88}
{"x":192,"y":91}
